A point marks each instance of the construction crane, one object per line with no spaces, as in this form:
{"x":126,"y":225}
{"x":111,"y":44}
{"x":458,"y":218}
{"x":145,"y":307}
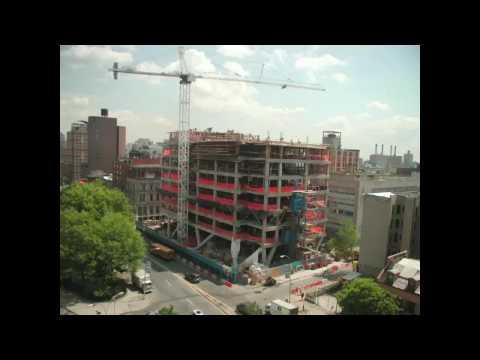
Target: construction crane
{"x":186,"y":79}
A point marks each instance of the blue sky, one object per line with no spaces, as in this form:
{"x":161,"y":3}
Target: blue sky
{"x":372,"y":92}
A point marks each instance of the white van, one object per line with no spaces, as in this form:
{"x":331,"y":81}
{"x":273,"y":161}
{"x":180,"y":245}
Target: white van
{"x":280,"y":307}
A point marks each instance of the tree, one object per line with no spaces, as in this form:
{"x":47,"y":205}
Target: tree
{"x":139,"y":153}
{"x":96,"y":199}
{"x":345,"y":240}
{"x":167,"y":311}
{"x":363,"y":296}
{"x":97,"y":238}
{"x":249,"y":308}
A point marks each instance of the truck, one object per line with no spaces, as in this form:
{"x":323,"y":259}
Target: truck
{"x":162,"y":251}
{"x":280,"y":307}
{"x":141,"y":279}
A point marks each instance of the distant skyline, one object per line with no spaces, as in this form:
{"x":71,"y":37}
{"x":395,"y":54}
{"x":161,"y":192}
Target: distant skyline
{"x":372,"y":97}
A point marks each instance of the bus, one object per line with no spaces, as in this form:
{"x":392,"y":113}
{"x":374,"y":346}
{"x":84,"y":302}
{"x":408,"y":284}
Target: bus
{"x":162,"y":251}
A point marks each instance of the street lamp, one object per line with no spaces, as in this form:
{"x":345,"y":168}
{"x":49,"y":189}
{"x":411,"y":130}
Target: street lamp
{"x":289,"y":276}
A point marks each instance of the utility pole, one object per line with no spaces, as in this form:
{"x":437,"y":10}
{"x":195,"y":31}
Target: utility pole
{"x":289,"y":276}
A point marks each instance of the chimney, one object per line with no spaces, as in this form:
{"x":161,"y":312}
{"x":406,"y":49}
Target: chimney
{"x":390,"y":150}
{"x":382,"y":149}
{"x":395,"y":151}
{"x":104,"y":112}
{"x":376,"y":149}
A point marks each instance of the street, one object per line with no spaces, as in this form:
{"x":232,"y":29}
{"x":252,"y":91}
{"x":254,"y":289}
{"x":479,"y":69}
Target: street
{"x":261,"y":295}
{"x":230,"y":296}
{"x":171,"y":289}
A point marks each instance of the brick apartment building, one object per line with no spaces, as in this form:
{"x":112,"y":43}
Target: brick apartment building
{"x":75,"y":154}
{"x":106,"y":142}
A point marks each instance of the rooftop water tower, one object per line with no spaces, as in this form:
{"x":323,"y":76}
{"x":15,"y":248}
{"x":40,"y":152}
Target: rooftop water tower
{"x":333,"y":139}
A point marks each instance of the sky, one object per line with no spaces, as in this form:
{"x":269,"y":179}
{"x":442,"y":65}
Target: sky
{"x":372,"y":92}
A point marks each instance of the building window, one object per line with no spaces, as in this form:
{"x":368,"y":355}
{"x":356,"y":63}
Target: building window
{"x":158,"y":196}
{"x":151,"y":210}
{"x":158,"y":209}
{"x":151,"y":197}
{"x":397,"y":223}
{"x":139,"y":211}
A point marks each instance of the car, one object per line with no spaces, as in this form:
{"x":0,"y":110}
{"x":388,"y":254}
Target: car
{"x":192,"y":277}
{"x":198,"y":312}
{"x":155,"y":312}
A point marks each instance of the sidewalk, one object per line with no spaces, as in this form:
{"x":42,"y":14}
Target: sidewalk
{"x":305,"y":274}
{"x":132,"y":301}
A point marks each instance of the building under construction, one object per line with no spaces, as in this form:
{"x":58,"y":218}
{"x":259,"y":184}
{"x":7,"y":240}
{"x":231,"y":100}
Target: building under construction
{"x":240,"y":190}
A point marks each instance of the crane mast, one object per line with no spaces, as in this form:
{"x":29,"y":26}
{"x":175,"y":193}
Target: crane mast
{"x":186,"y":79}
{"x":183,"y":159}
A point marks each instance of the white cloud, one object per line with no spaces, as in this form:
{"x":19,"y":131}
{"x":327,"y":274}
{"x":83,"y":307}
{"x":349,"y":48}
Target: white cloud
{"x":313,"y":65}
{"x":235,"y":106}
{"x":280,"y":55}
{"x":98,"y":54}
{"x":74,"y":100}
{"x":128,"y":47}
{"x":139,"y":123}
{"x":73,"y":109}
{"x":318,"y":63}
{"x":378,"y":106}
{"x":150,"y":66}
{"x":340,"y":77}
{"x":236,"y":68}
{"x":197,"y":62}
{"x":236,"y":51}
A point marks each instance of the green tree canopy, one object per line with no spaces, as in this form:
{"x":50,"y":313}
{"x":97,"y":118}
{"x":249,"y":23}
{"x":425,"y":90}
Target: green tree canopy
{"x":345,"y":240}
{"x":97,"y":236}
{"x":167,"y":311}
{"x":96,"y":199}
{"x":363,"y":296}
{"x":249,"y":308}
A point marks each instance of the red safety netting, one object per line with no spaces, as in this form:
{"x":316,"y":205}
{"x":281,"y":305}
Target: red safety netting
{"x":225,"y":185}
{"x":223,"y":216}
{"x":168,"y":187}
{"x":206,"y":197}
{"x":224,"y":201}
{"x":205,"y":211}
{"x":224,"y":232}
{"x":205,"y":225}
{"x":314,"y":215}
{"x":203,"y":181}
{"x":316,"y":229}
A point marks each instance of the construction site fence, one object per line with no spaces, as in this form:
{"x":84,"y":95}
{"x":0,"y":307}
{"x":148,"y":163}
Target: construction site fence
{"x":190,"y":255}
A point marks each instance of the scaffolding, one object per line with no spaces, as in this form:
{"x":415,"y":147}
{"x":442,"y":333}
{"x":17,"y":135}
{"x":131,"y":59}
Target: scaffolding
{"x":240,"y":190}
